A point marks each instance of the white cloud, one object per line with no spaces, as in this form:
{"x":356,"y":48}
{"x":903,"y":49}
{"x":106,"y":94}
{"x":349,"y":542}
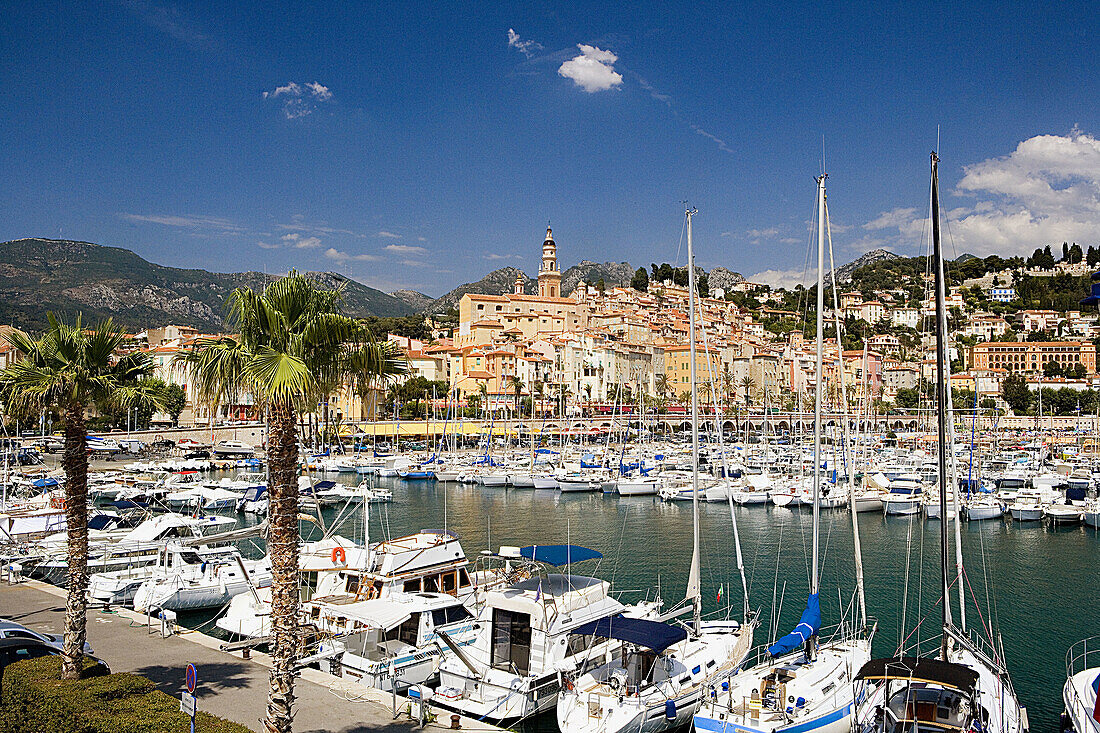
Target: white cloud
{"x":267,"y":245}
{"x":895,"y":218}
{"x":342,"y":257}
{"x":783,"y":278}
{"x":761,"y":233}
{"x":592,"y":70}
{"x":319,"y":91}
{"x":300,"y":100}
{"x":186,"y":222}
{"x":294,"y":239}
{"x":527,"y":48}
{"x":388,"y":235}
{"x":495,"y":256}
{"x":404,"y":249}
{"x":1046,"y":191}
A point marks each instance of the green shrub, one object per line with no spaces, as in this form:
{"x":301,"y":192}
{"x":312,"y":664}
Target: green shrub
{"x":35,"y":699}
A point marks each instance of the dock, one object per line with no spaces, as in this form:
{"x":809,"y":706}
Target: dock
{"x":228,"y":685}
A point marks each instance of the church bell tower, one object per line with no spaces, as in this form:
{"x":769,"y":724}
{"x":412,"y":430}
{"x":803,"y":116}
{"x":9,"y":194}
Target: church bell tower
{"x":549,"y":275}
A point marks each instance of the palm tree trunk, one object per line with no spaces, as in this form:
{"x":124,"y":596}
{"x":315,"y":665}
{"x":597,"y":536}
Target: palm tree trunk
{"x":75,"y":462}
{"x":282,"y":547}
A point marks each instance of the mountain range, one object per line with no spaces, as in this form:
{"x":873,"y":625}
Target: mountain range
{"x":70,"y":277}
{"x":67,"y":277}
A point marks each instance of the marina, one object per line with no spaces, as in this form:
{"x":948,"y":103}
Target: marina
{"x":646,"y":546}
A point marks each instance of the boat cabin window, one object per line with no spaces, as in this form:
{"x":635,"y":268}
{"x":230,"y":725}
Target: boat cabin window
{"x":308,"y":585}
{"x":511,"y":641}
{"x":352,"y":585}
{"x":449,"y":615}
{"x":431,"y":584}
{"x":191,"y":558}
{"x":447,"y":583}
{"x":412,"y":586}
{"x":578,"y":643}
{"x":407,"y":632}
{"x":463,"y":578}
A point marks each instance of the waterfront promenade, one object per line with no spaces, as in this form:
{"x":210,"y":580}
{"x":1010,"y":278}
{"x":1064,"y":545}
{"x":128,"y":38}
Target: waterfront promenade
{"x":229,"y":686}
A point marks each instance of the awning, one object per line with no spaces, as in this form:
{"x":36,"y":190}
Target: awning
{"x":379,"y":613}
{"x":650,"y":634}
{"x":919,"y":669}
{"x":558,"y":554}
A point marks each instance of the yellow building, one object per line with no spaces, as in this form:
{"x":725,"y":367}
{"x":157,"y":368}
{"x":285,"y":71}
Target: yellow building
{"x":678,"y":365}
{"x":482,"y":318}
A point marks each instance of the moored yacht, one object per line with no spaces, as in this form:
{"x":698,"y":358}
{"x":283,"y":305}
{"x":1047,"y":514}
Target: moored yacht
{"x":525,"y":642}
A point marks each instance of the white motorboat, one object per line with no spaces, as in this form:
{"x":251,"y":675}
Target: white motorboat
{"x":1079,"y":692}
{"x":233,"y":449}
{"x":982,"y":507}
{"x":136,"y":547}
{"x":524,"y":645}
{"x":1063,"y":514}
{"x":569,"y":482}
{"x":641,"y":486}
{"x":201,"y":582}
{"x":904,"y":498}
{"x":118,"y":587}
{"x":389,"y":643}
{"x":1026,"y":508}
{"x":337,"y":569}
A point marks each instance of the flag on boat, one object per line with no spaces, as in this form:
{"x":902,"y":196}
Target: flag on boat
{"x":538,"y":592}
{"x":807,"y":627}
{"x":1096,"y":696}
{"x":719,"y":594}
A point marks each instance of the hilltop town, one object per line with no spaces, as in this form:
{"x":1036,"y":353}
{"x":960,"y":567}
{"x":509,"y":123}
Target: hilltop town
{"x":605,"y":347}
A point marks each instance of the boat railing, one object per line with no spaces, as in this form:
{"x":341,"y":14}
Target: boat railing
{"x":982,"y":648}
{"x":1083,"y":655}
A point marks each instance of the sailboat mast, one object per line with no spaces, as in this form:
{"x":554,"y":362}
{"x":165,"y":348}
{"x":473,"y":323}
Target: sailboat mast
{"x":693,"y":577}
{"x":849,"y":469}
{"x":820,"y":343}
{"x":941,"y":396}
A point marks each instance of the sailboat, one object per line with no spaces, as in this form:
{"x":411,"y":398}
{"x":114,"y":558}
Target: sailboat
{"x":802,"y":684}
{"x":964,"y":687}
{"x":657,"y":677}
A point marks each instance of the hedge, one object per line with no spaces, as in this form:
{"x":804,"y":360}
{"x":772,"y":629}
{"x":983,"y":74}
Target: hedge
{"x":35,"y":699}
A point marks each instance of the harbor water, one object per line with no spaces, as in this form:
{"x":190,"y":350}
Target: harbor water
{"x":1034,"y":586}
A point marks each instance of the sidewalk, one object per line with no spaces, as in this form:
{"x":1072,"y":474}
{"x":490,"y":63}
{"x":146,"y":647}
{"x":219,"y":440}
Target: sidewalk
{"x":229,"y":686}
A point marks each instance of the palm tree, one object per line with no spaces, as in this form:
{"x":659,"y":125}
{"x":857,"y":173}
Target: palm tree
{"x":539,"y":390}
{"x":727,"y":385}
{"x":293,"y":345}
{"x":483,"y":390}
{"x":747,"y":384}
{"x":662,"y":385}
{"x":517,"y":386}
{"x":71,"y":369}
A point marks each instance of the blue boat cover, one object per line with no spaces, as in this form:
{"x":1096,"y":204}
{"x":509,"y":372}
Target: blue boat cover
{"x":1074,"y":494}
{"x":43,"y":483}
{"x":558,"y":554}
{"x":643,"y":632}
{"x":807,"y":627}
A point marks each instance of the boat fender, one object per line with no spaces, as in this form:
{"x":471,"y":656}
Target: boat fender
{"x":670,"y":710}
{"x":339,"y":556}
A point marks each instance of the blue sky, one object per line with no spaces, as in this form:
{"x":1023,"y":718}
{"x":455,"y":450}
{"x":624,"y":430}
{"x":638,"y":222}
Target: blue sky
{"x":421,"y":145}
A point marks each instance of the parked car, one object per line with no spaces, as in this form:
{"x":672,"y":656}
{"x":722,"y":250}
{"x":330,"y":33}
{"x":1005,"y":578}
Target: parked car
{"x":14,"y":650}
{"x":13,"y":630}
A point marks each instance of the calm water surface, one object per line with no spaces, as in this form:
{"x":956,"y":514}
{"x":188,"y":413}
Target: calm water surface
{"x":1037,"y":587}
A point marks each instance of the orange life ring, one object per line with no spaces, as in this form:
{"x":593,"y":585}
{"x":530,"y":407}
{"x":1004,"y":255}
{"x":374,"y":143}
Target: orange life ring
{"x":338,"y":555}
